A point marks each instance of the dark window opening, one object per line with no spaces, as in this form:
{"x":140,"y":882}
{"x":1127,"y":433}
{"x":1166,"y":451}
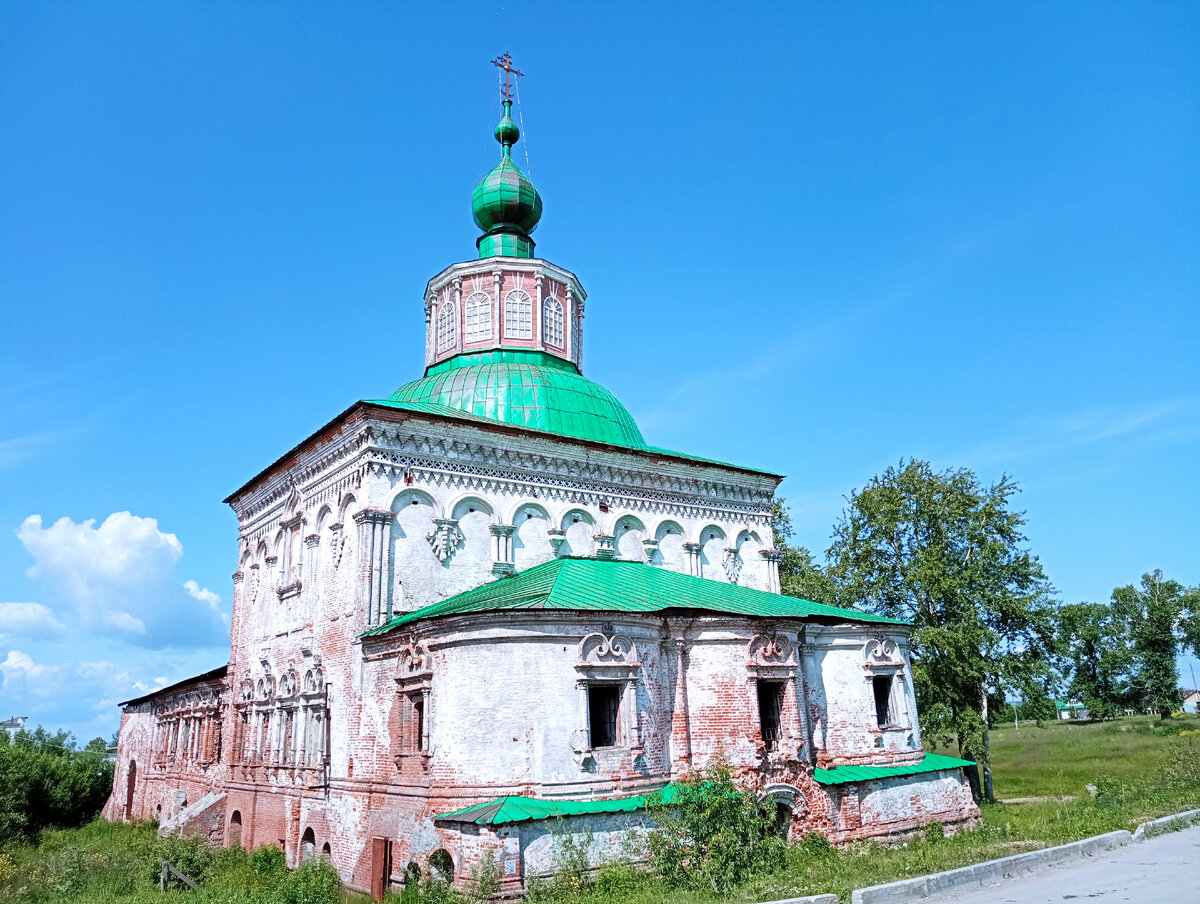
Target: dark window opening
{"x":419,"y":724}
{"x":604,"y":700}
{"x":882,"y":685}
{"x":770,"y":712}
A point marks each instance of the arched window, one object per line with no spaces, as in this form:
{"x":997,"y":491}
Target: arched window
{"x":479,"y":317}
{"x":518,"y":315}
{"x":552,"y":322}
{"x":308,"y":845}
{"x":447,"y":331}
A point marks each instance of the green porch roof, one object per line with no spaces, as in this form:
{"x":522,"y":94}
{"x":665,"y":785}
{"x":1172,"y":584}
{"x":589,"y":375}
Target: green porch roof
{"x":612,"y":585}
{"x":514,"y":808}
{"x":843,"y":775}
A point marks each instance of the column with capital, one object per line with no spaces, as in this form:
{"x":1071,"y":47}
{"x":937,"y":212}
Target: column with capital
{"x":372,"y":543}
{"x":772,"y":557}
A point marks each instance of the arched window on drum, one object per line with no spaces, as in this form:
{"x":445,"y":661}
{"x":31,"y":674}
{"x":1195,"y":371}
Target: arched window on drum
{"x":447,"y":327}
{"x":552,"y":322}
{"x":479,"y":317}
{"x":518,"y":315}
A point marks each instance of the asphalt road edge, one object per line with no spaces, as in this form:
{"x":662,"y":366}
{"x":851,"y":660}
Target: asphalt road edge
{"x":990,"y":871}
{"x":1166,"y":824}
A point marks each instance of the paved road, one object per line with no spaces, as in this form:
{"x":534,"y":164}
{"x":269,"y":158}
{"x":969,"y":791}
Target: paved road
{"x":1163,"y":870}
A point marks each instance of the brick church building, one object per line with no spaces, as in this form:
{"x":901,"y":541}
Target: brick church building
{"x":484,"y":614}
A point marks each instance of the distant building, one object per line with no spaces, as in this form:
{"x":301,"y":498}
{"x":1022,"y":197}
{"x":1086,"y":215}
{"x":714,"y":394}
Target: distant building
{"x":1070,"y":709}
{"x":1191,"y":701}
{"x":14,"y":725}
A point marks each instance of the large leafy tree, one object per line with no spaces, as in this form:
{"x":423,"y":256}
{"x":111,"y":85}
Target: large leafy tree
{"x":1097,"y":659}
{"x":946,"y":553}
{"x":1162,"y":617}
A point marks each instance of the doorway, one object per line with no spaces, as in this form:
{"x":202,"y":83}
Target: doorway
{"x":381,"y":867}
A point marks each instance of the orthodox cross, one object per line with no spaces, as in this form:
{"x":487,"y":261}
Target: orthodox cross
{"x":504,"y":61}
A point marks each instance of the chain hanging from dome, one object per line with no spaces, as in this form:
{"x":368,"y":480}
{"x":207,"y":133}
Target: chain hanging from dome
{"x":505,"y":204}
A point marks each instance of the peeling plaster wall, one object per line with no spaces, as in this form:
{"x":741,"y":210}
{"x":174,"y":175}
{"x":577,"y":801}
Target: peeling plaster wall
{"x":385,"y":514}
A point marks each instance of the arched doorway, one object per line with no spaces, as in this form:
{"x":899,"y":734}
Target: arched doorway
{"x":308,"y":845}
{"x":235,"y":828}
{"x":441,"y":866}
{"x":130,"y":784}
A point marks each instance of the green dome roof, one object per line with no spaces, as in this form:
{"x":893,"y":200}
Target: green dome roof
{"x":505,"y":204}
{"x":526,"y":389}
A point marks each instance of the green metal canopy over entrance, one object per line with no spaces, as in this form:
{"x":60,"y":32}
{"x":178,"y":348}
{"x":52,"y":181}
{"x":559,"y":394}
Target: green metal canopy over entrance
{"x":610,"y":585}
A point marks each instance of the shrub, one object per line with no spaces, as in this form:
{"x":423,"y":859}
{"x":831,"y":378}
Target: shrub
{"x":712,"y":833}
{"x":313,"y":882}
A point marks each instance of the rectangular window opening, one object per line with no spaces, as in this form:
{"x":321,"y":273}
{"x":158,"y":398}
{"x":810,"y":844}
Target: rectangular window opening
{"x":882,"y":685}
{"x":418,"y":724}
{"x":770,"y":712}
{"x":604,"y":702}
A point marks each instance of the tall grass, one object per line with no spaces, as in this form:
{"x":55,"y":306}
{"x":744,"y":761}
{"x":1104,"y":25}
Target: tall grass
{"x":1140,"y":770}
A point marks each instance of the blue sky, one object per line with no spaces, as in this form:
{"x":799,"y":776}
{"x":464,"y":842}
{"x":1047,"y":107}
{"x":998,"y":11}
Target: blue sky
{"x":816,"y":238}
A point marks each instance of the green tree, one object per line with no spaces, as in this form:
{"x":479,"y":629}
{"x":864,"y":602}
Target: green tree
{"x":45,"y":782}
{"x":1160,"y":616}
{"x":946,"y":553}
{"x":712,"y":833}
{"x":1094,"y":644}
{"x":799,"y":574}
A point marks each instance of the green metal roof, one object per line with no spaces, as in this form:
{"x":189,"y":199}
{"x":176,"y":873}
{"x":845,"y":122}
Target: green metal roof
{"x":526,"y":389}
{"x":514,"y":808}
{"x":611,"y":585}
{"x":933,"y":762}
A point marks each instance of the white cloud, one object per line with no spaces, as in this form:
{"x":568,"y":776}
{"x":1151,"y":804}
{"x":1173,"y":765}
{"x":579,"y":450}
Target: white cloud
{"x":123,"y":621}
{"x":24,"y":677}
{"x":31,"y":619}
{"x":203,"y":595}
{"x":117,"y":579}
{"x":125,"y":549}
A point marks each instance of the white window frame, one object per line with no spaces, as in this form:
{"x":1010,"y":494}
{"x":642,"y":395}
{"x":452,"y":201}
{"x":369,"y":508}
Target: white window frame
{"x":479,"y":317}
{"x":518,"y":315}
{"x":447,"y":327}
{"x":552,"y":322}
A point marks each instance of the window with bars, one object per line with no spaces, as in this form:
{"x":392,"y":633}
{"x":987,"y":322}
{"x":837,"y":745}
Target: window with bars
{"x":552,"y":322}
{"x":479,"y":317}
{"x":770,"y":712}
{"x":604,"y":703}
{"x":447,"y":327}
{"x":518,"y":315}
{"x":882,"y":686}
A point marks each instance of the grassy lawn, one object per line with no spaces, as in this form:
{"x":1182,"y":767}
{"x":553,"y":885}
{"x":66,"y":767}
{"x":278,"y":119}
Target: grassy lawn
{"x":1063,"y":758}
{"x":1141,"y":769}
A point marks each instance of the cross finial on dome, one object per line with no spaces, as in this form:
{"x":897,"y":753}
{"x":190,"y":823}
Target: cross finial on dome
{"x":504,"y":61}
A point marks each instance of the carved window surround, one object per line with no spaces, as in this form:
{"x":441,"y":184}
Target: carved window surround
{"x":882,"y":659}
{"x":774,"y":656}
{"x":608,"y":659}
{"x":414,"y":685}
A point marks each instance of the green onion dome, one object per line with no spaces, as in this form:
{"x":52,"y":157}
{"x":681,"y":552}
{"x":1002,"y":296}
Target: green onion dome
{"x":505,"y":204}
{"x":526,"y":389}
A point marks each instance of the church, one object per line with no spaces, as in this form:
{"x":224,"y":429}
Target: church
{"x":484,"y":615}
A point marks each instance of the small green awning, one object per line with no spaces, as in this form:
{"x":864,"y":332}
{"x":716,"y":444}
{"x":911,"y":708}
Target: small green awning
{"x":843,"y":775}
